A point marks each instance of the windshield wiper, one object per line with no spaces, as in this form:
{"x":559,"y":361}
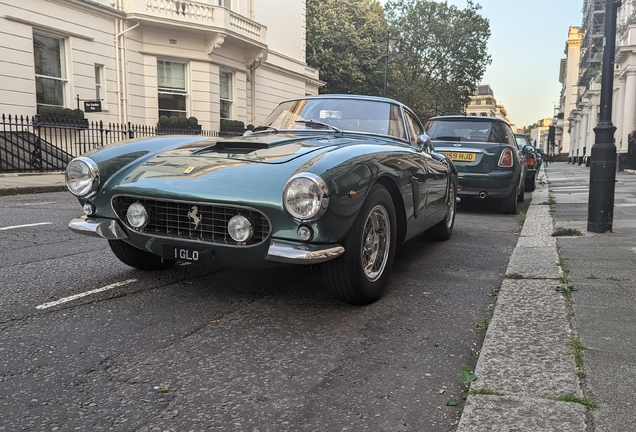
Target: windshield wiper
{"x":263,"y":128}
{"x":317,"y":123}
{"x":448,"y":138}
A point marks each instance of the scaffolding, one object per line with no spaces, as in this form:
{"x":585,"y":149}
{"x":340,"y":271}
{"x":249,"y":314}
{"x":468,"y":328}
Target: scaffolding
{"x":592,"y":49}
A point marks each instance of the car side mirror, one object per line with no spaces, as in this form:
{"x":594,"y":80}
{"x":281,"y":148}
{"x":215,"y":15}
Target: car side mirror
{"x":424,"y":141}
{"x":528,"y":149}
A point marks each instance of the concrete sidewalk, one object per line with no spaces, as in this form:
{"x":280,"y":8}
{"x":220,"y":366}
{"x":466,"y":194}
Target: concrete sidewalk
{"x":561,"y":293}
{"x":12,"y":184}
{"x":527,"y":377}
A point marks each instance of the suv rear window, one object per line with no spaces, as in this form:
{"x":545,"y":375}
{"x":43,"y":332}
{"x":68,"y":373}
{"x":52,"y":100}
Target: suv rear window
{"x":466,"y":130}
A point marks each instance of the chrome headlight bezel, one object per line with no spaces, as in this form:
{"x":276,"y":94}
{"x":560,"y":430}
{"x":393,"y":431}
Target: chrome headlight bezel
{"x":82,"y":177}
{"x":315,"y":191}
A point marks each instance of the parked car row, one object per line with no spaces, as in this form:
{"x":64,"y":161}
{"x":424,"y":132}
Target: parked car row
{"x":491,"y":165}
{"x":334,"y":180}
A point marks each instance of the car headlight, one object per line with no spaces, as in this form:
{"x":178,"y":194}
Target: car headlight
{"x":240,"y":228}
{"x":82,"y":177}
{"x":306,"y":196}
{"x":137,"y":216}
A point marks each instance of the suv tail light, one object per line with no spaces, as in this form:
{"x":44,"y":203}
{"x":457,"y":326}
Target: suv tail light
{"x":506,"y":159}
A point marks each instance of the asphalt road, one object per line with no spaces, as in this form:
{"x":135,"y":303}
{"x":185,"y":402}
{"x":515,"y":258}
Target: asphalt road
{"x":91,"y":344}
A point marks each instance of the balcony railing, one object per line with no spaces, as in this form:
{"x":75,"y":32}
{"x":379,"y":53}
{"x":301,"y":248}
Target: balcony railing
{"x":195,"y":13}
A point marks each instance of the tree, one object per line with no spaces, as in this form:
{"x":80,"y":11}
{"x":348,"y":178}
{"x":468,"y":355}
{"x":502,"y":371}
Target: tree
{"x":345,"y":40}
{"x":445,"y":55}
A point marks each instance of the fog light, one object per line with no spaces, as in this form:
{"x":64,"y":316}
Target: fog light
{"x":304,"y":233}
{"x":240,"y":228}
{"x":137,"y":216}
{"x":88,"y":208}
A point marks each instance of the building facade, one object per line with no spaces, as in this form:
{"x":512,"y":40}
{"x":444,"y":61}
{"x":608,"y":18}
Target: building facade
{"x":483,"y":103}
{"x":569,"y":77}
{"x":141,"y":59}
{"x":584,"y":119}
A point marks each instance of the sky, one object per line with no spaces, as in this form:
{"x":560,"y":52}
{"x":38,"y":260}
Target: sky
{"x":527,"y":44}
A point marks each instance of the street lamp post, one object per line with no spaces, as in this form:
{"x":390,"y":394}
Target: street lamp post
{"x":400,"y":54}
{"x":600,"y":210}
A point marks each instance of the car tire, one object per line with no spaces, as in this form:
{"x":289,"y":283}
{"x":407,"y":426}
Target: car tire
{"x":360,"y":274}
{"x":443,"y":230}
{"x":522,"y":194}
{"x":138,"y":258}
{"x":531,"y":183}
{"x":509,"y":204}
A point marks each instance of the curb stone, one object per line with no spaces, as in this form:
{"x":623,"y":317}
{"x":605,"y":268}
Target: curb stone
{"x":526,"y":357}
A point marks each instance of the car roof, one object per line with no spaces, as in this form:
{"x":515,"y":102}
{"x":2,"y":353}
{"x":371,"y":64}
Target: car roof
{"x":348,"y":96}
{"x":469,"y":118}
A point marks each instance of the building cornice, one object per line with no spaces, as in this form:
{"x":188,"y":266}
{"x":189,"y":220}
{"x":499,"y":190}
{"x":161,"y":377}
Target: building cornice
{"x":47,"y":28}
{"x":91,"y":6}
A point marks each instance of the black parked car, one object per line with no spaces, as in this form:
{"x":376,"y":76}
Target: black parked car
{"x":485,"y":152}
{"x":532,"y":160}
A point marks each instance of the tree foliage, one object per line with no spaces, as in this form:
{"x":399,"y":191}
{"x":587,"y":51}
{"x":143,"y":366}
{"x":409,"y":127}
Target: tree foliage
{"x":345,"y":40}
{"x":445,"y":54}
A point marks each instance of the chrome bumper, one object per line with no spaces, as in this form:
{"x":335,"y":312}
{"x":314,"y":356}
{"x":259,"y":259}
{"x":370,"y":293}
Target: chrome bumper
{"x":279,"y":250}
{"x":294,"y":253}
{"x":104,"y":228}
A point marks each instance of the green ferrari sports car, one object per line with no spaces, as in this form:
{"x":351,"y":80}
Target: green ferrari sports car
{"x":335,"y":180}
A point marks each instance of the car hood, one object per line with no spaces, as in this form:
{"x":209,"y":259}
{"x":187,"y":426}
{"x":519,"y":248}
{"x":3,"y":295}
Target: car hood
{"x":225,"y":169}
{"x":205,"y":156}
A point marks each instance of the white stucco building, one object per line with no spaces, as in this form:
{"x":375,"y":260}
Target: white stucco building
{"x":569,"y":77}
{"x":214,"y":59}
{"x":585,"y":118}
{"x":483,"y":103}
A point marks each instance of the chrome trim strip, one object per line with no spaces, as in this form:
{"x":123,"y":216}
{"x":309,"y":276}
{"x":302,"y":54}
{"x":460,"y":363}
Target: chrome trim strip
{"x":104,"y":228}
{"x":302,"y":253}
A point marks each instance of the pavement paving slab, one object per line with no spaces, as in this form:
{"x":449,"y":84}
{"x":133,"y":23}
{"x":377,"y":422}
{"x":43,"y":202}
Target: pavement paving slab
{"x":526,"y":351}
{"x":512,"y":413}
{"x":535,"y":263}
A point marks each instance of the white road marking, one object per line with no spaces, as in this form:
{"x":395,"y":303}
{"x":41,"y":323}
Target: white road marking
{"x":37,"y":203}
{"x":23,"y":226}
{"x":84,"y":294}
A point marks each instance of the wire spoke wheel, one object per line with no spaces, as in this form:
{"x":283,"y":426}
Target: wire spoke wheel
{"x":360,"y":274}
{"x":375,"y":243}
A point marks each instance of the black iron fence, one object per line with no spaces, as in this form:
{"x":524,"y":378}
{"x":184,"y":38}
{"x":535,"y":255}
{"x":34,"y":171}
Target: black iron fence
{"x":39,"y":144}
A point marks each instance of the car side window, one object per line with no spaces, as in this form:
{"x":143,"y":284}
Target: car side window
{"x":415,"y":130}
{"x":396,"y":127}
{"x":498,"y":133}
{"x":510,"y":136}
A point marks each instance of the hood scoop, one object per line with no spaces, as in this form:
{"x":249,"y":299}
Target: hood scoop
{"x":240,"y":145}
{"x":247,"y":144}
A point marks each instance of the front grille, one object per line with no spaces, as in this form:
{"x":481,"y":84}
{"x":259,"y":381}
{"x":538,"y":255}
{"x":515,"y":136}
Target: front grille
{"x":171,"y":219}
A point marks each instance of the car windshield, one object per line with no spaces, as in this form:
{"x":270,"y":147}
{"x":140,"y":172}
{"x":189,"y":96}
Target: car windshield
{"x":366,"y":116}
{"x":463,"y":130}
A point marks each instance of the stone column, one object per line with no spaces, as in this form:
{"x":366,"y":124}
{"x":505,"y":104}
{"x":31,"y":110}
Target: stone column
{"x":573,"y":140}
{"x":583,"y":141}
{"x":619,"y":113}
{"x":629,"y":116}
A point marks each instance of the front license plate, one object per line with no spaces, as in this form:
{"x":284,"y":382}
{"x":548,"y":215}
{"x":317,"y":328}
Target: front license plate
{"x":461,"y":156}
{"x":186,"y":253}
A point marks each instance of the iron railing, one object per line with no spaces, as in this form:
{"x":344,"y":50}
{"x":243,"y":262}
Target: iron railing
{"x":39,"y":144}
